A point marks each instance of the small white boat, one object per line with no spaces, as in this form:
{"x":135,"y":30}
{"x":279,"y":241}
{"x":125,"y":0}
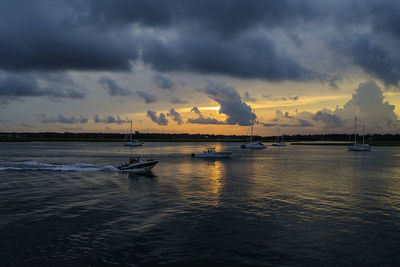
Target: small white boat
{"x":138,"y":165}
{"x":253,"y":144}
{"x":279,"y":144}
{"x":211,"y":153}
{"x":355,"y":146}
{"x":128,"y":141}
{"x":360,"y":147}
{"x":279,"y":140}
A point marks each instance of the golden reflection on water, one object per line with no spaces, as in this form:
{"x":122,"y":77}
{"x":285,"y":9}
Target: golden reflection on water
{"x":201,"y":181}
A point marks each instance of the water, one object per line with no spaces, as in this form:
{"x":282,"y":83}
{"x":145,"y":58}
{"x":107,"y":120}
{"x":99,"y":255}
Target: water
{"x":64,"y":203}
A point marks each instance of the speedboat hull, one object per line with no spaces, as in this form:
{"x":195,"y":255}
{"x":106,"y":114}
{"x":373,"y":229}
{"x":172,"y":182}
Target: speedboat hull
{"x":139,"y":167}
{"x":363,"y":147}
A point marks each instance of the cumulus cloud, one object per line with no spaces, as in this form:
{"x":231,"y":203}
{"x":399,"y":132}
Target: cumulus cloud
{"x":43,"y":118}
{"x":330,"y":120}
{"x":148,"y":98}
{"x":113,"y":88}
{"x":367,"y":103}
{"x":109,"y":119}
{"x":231,"y":104}
{"x":177,"y":100}
{"x":203,"y":120}
{"x":175,"y":116}
{"x":164,"y":82}
{"x":196,"y":110}
{"x":285,"y":120}
{"x":248,"y":98}
{"x":160,"y":120}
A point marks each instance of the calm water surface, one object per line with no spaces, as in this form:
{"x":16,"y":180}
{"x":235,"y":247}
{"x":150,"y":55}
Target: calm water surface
{"x":63,"y":203}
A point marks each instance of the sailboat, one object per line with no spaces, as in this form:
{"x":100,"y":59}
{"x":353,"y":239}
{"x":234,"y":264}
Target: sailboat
{"x":253,"y":144}
{"x":128,"y":141}
{"x":355,"y":146}
{"x":277,"y":142}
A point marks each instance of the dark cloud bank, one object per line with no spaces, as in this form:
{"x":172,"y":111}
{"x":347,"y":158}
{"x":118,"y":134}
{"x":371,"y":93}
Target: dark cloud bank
{"x":224,"y":37}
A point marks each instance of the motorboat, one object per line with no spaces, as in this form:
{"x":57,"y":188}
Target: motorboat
{"x":253,"y":144}
{"x":128,"y":141}
{"x":211,"y":153}
{"x":279,"y":141}
{"x":138,"y":165}
{"x":355,"y":146}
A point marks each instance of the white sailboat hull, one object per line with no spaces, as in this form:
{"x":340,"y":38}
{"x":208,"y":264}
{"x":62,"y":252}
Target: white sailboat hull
{"x":360,"y":147}
{"x":255,"y":146}
{"x":133,"y":144}
{"x":279,"y":144}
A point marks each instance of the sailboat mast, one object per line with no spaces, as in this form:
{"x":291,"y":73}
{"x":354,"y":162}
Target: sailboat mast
{"x":278,"y":135}
{"x":252,"y":124}
{"x":355,"y":130}
{"x":363,"y":133}
{"x":130,"y":135}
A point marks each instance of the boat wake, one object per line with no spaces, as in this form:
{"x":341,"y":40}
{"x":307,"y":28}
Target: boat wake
{"x":42,"y":166}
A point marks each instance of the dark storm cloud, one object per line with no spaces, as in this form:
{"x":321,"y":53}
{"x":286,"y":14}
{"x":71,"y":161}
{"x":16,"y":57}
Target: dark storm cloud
{"x":113,"y":88}
{"x":148,"y":98}
{"x":175,"y":116}
{"x":164,"y":82}
{"x":251,"y":55}
{"x":48,"y":35}
{"x":15,"y":85}
{"x":375,"y":59}
{"x":231,"y":104}
{"x":61,"y":119}
{"x":235,"y":38}
{"x":109,"y":119}
{"x":160,"y":120}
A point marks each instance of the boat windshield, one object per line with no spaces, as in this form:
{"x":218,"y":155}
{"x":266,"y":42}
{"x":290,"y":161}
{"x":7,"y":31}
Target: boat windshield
{"x":133,"y":160}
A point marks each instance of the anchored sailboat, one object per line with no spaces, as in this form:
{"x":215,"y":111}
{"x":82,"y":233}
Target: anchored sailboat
{"x":253,"y":144}
{"x":355,"y":146}
{"x":277,"y":142}
{"x":128,"y":141}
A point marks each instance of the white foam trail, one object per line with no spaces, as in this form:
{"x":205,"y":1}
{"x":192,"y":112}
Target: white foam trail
{"x":42,"y":166}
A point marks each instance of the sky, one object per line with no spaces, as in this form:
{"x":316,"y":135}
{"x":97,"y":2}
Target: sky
{"x":200,"y":66}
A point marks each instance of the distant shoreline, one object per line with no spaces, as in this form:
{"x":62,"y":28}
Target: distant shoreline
{"x":200,"y":140}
